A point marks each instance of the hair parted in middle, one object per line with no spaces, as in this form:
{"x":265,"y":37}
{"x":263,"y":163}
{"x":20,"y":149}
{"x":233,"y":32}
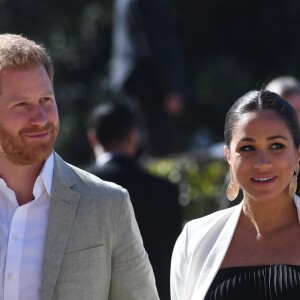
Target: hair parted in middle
{"x":260,"y":100}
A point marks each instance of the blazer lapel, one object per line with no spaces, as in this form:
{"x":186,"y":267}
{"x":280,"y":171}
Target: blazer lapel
{"x":64,"y":201}
{"x":218,"y":252}
{"x":216,"y":256}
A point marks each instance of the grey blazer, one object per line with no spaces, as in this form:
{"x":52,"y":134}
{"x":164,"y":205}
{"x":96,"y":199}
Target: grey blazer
{"x":93,"y":247}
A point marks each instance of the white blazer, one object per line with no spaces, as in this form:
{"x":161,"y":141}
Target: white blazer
{"x":200,"y":250}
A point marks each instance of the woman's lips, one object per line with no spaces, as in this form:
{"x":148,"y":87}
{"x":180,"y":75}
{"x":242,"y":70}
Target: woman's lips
{"x":263,"y":180}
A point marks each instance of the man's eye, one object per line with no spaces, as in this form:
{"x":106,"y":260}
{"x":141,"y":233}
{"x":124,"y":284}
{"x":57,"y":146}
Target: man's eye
{"x":46,"y":99}
{"x":20,"y":104}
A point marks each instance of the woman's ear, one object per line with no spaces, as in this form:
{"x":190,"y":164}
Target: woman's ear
{"x":227,"y":153}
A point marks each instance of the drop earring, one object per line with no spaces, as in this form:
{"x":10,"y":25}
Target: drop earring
{"x":293,"y":183}
{"x":232,"y":189}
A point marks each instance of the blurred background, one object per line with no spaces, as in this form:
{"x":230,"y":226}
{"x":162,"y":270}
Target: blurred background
{"x":227,"y":49}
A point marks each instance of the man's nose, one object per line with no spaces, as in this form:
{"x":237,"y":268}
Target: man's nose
{"x":38,"y":115}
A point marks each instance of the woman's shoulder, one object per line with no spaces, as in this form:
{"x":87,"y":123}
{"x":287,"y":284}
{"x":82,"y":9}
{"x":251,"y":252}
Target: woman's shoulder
{"x":207,"y":228}
{"x":199,"y":236}
{"x":212,"y":218}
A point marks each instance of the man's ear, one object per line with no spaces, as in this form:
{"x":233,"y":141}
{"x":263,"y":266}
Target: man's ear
{"x":91,"y":136}
{"x":133,"y":141}
{"x":227,"y":154}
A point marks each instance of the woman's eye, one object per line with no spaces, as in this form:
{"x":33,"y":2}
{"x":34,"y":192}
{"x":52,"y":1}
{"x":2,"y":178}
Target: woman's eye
{"x":277,"y":146}
{"x":246,"y":148}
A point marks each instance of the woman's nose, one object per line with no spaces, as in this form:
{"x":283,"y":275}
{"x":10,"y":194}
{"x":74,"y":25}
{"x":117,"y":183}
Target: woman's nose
{"x":262,"y":159}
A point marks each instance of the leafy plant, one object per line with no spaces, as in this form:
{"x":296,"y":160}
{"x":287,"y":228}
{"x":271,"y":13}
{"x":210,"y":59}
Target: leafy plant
{"x":200,"y":182}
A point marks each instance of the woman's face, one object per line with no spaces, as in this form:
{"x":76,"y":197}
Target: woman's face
{"x":262,"y":155}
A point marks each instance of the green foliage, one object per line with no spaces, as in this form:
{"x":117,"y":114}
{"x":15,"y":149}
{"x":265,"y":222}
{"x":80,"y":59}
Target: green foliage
{"x":200,"y":182}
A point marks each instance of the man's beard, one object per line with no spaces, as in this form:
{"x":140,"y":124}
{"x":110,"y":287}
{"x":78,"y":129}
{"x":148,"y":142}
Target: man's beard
{"x":17,"y":150}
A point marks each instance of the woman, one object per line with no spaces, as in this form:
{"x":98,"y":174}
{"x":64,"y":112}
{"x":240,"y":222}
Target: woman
{"x":252,"y":250}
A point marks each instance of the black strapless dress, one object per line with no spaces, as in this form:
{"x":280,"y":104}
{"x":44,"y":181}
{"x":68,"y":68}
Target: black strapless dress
{"x":272,"y":282}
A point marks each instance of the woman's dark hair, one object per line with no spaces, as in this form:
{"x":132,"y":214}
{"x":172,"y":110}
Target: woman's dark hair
{"x":255,"y":101}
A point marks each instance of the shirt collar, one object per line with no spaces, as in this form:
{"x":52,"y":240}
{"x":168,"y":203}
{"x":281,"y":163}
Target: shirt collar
{"x":107,"y":156}
{"x":104,"y":158}
{"x":46,"y":174}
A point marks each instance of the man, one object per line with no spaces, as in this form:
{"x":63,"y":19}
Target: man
{"x":65,"y":234}
{"x":114,"y":137}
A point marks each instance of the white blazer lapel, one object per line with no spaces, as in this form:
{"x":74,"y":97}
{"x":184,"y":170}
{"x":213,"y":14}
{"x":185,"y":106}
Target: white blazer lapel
{"x":216,"y":256}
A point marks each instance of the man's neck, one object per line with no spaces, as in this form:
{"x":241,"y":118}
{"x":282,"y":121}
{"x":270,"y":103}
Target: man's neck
{"x":20,"y":179}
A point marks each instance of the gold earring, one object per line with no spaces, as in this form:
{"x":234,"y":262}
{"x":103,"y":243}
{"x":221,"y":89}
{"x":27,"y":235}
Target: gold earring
{"x":232,"y":189}
{"x":293,"y":183}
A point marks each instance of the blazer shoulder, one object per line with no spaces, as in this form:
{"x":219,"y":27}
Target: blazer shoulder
{"x":94,"y":182}
{"x":220,"y":216}
{"x":211,"y":218}
{"x":85,"y":182}
{"x":200,"y":229}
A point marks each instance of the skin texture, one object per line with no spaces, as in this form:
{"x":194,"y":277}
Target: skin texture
{"x":262,"y":147}
{"x":28,"y":116}
{"x":29,"y":125}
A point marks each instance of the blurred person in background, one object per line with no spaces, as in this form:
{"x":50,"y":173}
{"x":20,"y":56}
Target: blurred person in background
{"x":249,"y":251}
{"x":287,"y":87}
{"x":114,"y":137}
{"x":148,"y":66}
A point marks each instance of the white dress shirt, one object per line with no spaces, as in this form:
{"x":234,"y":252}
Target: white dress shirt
{"x":22,"y":238}
{"x":104,"y":158}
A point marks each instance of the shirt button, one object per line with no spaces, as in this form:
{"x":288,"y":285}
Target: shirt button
{"x":15,"y":237}
{"x":11,"y":276}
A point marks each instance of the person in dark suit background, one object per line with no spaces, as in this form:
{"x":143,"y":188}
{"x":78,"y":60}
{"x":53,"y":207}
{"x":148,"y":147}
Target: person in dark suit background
{"x":148,"y":66}
{"x":114,"y":137}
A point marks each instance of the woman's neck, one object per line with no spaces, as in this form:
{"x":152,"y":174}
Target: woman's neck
{"x":268,"y":217}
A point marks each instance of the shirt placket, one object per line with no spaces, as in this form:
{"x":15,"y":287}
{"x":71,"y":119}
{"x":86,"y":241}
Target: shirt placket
{"x":14,"y":253}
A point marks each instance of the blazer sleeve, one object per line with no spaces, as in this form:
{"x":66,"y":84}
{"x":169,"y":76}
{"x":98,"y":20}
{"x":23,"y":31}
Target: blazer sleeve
{"x":132,"y":275}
